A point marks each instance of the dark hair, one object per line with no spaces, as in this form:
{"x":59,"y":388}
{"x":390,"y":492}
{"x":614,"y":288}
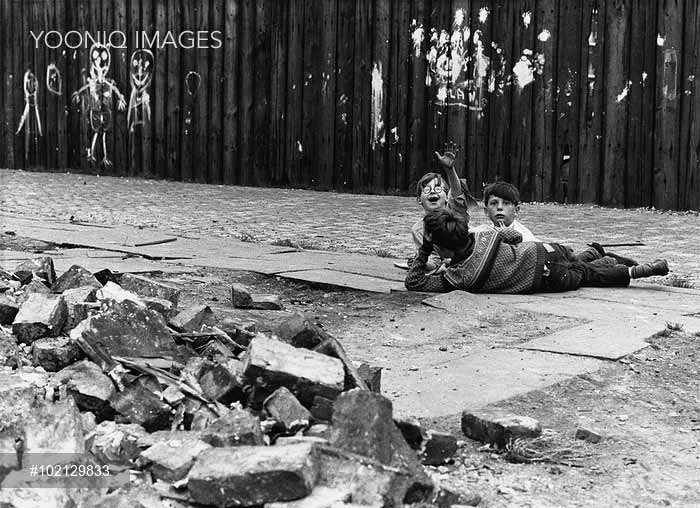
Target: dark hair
{"x":503,"y":190}
{"x":447,"y":228}
{"x":427,"y":178}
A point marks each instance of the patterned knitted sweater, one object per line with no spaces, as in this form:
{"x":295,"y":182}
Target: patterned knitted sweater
{"x":498,"y":263}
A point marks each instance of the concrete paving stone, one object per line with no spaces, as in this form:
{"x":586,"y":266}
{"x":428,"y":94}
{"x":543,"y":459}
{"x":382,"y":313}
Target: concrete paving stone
{"x":355,"y":281}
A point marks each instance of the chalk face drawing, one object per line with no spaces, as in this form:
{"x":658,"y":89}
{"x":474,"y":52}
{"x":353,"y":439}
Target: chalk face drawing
{"x":141,"y":68}
{"x":54,"y":83}
{"x":192,"y":82}
{"x":31,"y":85}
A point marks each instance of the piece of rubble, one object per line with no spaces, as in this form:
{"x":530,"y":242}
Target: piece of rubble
{"x":41,"y":267}
{"x":320,"y":497}
{"x":192,"y":318}
{"x":147,"y":287}
{"x":284,"y":407}
{"x":244,"y":475}
{"x":437,"y":448}
{"x":241,"y":331}
{"x":9,"y":351}
{"x":56,"y":353}
{"x":171,"y":460}
{"x":322,"y":430}
{"x":139,"y":405}
{"x":588,"y":434}
{"x":305,"y":373}
{"x":217,"y":381}
{"x":411,"y":430}
{"x":239,"y":427}
{"x":322,"y":408}
{"x":371,"y":375}
{"x":76,"y":276}
{"x":40,"y":316}
{"x":160,"y":305}
{"x":242,"y":298}
{"x":79,"y":301}
{"x":105,"y":275}
{"x":8,"y":309}
{"x":446,"y":498}
{"x":131,"y":495}
{"x":115,"y":292}
{"x":498,"y":427}
{"x":172,"y":395}
{"x":90,"y":387}
{"x":125,"y":329}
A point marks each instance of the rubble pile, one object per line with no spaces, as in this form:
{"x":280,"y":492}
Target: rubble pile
{"x":198,"y":409}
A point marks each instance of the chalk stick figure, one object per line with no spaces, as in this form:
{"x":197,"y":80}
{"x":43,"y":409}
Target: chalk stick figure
{"x":30,"y":88}
{"x":142,"y":65}
{"x":192,"y":82}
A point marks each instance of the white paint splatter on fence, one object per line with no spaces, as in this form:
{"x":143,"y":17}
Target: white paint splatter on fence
{"x":544,"y":35}
{"x":483,"y":14}
{"x":377,"y":106}
{"x":527,"y":19}
{"x":300,"y":148}
{"x":417,"y":37}
{"x":459,"y":17}
{"x":660,"y":40}
{"x":593,"y":36}
{"x":625,"y":91}
{"x":644,"y":77}
{"x":523,"y":71}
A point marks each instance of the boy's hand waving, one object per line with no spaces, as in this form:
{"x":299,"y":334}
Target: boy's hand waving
{"x":447,"y":158}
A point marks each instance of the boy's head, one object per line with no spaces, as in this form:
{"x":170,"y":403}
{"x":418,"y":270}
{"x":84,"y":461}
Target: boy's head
{"x":448,"y":230}
{"x":431,"y":192}
{"x":501,"y":203}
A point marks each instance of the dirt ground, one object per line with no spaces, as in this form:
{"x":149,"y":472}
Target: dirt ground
{"x":646,"y":406}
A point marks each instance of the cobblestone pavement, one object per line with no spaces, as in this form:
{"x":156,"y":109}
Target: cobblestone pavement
{"x":368,"y":224}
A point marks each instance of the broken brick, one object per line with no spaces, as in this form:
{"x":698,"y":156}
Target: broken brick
{"x":244,"y":475}
{"x":284,"y":407}
{"x":242,"y":298}
{"x":54,"y":354}
{"x":146,"y":287}
{"x":239,"y":427}
{"x":41,"y":267}
{"x":139,"y":405}
{"x":40,"y":316}
{"x":76,"y":276}
{"x":306,"y":373}
{"x":497,"y":427}
{"x":90,"y":387}
{"x":8,"y":309}
{"x":171,"y":460}
{"x":192,"y":318}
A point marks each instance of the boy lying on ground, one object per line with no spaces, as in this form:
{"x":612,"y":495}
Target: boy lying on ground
{"x":497,"y":261}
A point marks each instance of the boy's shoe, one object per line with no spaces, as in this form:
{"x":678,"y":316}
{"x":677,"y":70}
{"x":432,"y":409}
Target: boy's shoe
{"x":658,"y":267}
{"x":620,"y":259}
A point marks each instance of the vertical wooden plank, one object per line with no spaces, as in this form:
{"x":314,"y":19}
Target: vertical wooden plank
{"x":279,"y":24}
{"x":522,"y":103}
{"x":158,"y":91}
{"x":136,"y":137}
{"x":174,"y":101}
{"x":50,"y":120}
{"x":295,"y":86}
{"x":668,"y":94}
{"x":231,"y":73}
{"x":148,"y":142}
{"x":247,"y":27}
{"x":591,"y":118}
{"x":362,"y":133}
{"x":617,"y":89}
{"x":261,"y":98}
{"x":105,"y":25}
{"x":120,"y":72}
{"x":641,"y":108}
{"x":342,"y":176}
{"x":568,"y":78}
{"x":544,"y":61}
{"x":62,"y":106}
{"x":6,"y":85}
{"x":216,"y":59}
{"x":38,"y":56}
{"x":72,"y":82}
{"x":327,"y":78}
{"x":505,"y":18}
{"x":380,"y":95}
{"x":200,"y":156}
{"x":311,"y":95}
{"x":457,"y":109}
{"x":440,"y":22}
{"x":191,"y":91}
{"x":20,"y":62}
{"x":399,"y":140}
{"x":689,"y":164}
{"x":417,"y":105}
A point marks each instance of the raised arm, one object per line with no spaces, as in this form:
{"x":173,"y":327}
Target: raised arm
{"x":457,"y":197}
{"x":418,"y":280}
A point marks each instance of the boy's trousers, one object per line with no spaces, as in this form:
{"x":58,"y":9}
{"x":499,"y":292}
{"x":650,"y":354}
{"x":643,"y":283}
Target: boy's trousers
{"x":561,"y":274}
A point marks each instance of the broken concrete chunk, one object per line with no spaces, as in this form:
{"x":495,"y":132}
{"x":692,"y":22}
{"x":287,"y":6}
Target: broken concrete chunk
{"x":54,"y":354}
{"x":192,"y":318}
{"x":139,"y":405}
{"x":321,"y":430}
{"x":320,"y":497}
{"x":116,"y":443}
{"x":80,"y":303}
{"x":322,"y":408}
{"x":86,"y":382}
{"x":242,"y":298}
{"x":160,"y":305}
{"x":244,"y":475}
{"x":171,"y":460}
{"x":371,"y":375}
{"x":41,"y":267}
{"x":9,"y":351}
{"x":438,"y":448}
{"x":305,"y":373}
{"x":237,"y":428}
{"x":588,"y":434}
{"x":143,"y":286}
{"x":498,"y":427}
{"x":284,"y":407}
{"x":40,"y":316}
{"x":220,"y":383}
{"x":173,"y":396}
{"x":112,"y":291}
{"x":125,"y":329}
{"x":240,"y":331}
{"x":131,"y":495}
{"x":75,"y":277}
{"x":8,"y":309}
{"x":105,"y":275}
{"x":299,"y":332}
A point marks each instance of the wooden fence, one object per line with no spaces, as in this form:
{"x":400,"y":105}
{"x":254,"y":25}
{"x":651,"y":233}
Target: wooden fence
{"x":572,"y":100}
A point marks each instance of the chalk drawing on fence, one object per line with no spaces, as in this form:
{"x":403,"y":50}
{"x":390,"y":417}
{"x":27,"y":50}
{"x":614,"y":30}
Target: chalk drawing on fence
{"x":54,"y":83}
{"x":192,"y":82}
{"x":141,"y":74}
{"x":100,"y":93}
{"x":31,"y":85}
{"x":670,"y":75}
{"x":378,"y":137}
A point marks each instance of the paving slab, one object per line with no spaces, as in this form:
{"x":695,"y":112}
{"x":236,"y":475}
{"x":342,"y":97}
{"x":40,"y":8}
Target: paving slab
{"x":344,"y":279}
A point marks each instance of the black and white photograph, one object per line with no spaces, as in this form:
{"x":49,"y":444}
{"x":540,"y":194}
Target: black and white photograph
{"x":349,"y":253}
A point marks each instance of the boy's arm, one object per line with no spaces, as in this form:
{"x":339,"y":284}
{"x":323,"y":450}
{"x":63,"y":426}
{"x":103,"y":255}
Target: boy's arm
{"x":509,"y":235}
{"x":456,"y":198}
{"x":418,"y":280}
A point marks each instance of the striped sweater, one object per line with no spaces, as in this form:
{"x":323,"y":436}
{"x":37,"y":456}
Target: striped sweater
{"x":499,"y":263}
